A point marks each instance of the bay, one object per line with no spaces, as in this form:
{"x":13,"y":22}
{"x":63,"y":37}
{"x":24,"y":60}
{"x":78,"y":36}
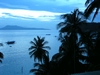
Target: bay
{"x":17,"y":60}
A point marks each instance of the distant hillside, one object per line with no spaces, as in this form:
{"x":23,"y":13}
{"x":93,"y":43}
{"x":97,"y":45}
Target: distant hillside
{"x":15,"y":27}
{"x":91,"y":27}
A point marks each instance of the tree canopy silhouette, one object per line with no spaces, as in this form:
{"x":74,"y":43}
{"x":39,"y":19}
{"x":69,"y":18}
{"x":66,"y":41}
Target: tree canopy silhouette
{"x":38,"y":49}
{"x":91,"y":6}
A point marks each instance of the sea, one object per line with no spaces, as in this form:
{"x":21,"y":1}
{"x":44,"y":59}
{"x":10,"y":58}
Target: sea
{"x":17,"y":60}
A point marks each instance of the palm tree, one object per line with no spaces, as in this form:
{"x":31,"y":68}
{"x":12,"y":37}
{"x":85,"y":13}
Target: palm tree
{"x":1,"y":54}
{"x":1,"y":57}
{"x":96,"y":50}
{"x":71,"y":27}
{"x":38,"y":49}
{"x":88,"y":41}
{"x":93,"y":48}
{"x":41,"y":70}
{"x":71,"y":23}
{"x":91,"y":5}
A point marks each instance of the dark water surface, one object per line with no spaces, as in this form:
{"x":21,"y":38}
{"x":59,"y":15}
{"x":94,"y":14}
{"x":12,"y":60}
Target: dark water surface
{"x":16,"y":57}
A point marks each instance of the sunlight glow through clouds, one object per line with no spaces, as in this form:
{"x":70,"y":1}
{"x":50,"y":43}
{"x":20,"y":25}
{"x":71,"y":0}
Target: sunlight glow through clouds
{"x":74,"y":3}
{"x":66,"y":3}
{"x":70,"y":2}
{"x":62,"y":2}
{"x":28,"y":14}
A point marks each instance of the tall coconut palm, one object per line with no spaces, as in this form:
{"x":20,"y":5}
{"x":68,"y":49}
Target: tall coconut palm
{"x":91,"y":6}
{"x":71,"y":23}
{"x":38,"y":49}
{"x":71,"y":27}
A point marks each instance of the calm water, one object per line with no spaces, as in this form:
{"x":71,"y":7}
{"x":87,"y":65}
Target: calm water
{"x":16,"y":58}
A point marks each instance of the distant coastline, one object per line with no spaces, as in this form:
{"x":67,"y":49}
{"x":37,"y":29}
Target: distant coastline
{"x":15,"y":27}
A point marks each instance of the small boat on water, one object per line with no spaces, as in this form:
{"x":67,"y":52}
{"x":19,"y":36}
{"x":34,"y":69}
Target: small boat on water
{"x":48,"y":34}
{"x":10,"y":42}
{"x":1,"y":44}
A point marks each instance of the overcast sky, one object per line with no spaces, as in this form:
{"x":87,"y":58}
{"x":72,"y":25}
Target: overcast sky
{"x":36,"y":13}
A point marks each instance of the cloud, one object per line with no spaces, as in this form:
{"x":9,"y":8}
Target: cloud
{"x":40,"y":10}
{"x":47,"y":5}
{"x":13,"y":6}
{"x":28,"y":14}
{"x":66,"y":5}
{"x":61,"y":2}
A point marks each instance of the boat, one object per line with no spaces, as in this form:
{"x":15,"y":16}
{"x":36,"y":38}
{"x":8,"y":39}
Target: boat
{"x":48,"y":34}
{"x":1,"y":44}
{"x":10,"y":42}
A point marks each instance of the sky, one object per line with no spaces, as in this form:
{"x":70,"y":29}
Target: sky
{"x":36,"y":13}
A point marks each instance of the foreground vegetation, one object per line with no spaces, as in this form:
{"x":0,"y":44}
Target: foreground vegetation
{"x":1,"y":54}
{"x":74,"y":42}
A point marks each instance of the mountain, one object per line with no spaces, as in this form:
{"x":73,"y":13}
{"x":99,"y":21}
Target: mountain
{"x":15,"y":27}
{"x":91,"y":27}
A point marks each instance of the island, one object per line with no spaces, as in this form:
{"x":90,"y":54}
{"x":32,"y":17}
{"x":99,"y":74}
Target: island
{"x":15,"y":27}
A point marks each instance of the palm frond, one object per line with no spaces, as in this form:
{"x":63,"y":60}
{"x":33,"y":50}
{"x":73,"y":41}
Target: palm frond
{"x":31,"y":55}
{"x":47,"y":53}
{"x":1,"y":55}
{"x":61,"y":24}
{"x":64,"y":16}
{"x":97,"y":10}
{"x":35,"y":40}
{"x":47,"y":47}
{"x":0,"y":61}
{"x":39,"y":38}
{"x":34,"y":43}
{"x":32,"y":52}
{"x":45,"y":42}
{"x":87,"y":2}
{"x":37,"y":64}
{"x":65,"y":29}
{"x":89,"y":9}
{"x":46,"y":60}
{"x":35,"y":70}
{"x":32,"y":47}
{"x":43,"y":39}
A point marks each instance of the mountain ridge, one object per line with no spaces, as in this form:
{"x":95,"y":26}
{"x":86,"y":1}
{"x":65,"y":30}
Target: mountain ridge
{"x":15,"y":27}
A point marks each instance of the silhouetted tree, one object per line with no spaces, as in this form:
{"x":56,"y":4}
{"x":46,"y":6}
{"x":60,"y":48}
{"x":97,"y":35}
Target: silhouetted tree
{"x":42,"y":69}
{"x":1,"y":54}
{"x":1,"y":57}
{"x":93,"y":50}
{"x":91,"y":6}
{"x":70,"y":28}
{"x":38,"y":49}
